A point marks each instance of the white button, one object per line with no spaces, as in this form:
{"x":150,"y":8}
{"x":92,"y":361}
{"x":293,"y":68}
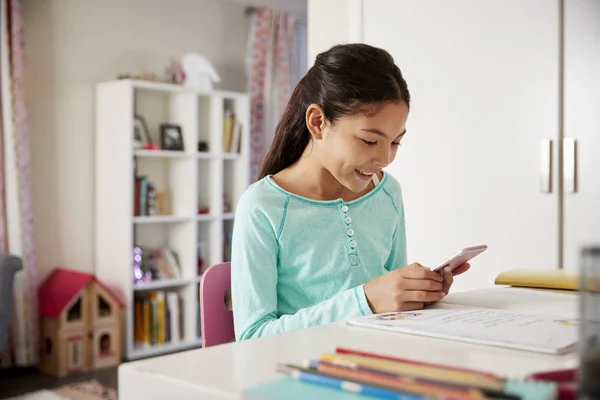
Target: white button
{"x":352,"y":244}
{"x":350,"y":232}
{"x":348,"y":220}
{"x":345,"y":208}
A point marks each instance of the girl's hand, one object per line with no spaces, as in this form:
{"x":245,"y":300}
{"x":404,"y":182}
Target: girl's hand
{"x":449,"y":279}
{"x":449,"y":276}
{"x":404,"y":289}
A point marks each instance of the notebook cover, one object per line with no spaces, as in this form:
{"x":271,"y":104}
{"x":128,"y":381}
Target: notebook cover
{"x":532,"y":390}
{"x":539,"y":278}
{"x":291,"y":389}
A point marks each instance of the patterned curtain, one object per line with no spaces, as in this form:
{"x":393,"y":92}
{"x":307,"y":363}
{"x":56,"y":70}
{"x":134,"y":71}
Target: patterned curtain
{"x":16,"y":225}
{"x":272,"y":70}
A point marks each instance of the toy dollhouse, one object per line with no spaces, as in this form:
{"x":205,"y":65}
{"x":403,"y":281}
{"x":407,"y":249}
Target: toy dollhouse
{"x":80,"y":323}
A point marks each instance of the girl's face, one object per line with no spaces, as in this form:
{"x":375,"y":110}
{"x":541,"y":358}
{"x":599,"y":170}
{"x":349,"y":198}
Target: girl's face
{"x":358,"y":146}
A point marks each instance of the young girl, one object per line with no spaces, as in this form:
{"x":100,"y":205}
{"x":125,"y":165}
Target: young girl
{"x":320,"y":237}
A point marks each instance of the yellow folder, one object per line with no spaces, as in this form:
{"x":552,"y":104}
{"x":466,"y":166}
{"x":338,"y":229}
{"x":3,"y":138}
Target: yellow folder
{"x":540,"y":278}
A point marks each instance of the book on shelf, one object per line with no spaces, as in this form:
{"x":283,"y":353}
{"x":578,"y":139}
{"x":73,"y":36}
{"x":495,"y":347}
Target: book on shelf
{"x":227,"y":237}
{"x":535,"y":332}
{"x":232,"y":133}
{"x":145,"y":197}
{"x":157,"y":318}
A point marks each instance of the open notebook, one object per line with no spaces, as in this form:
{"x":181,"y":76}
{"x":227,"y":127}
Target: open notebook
{"x":553,"y":334}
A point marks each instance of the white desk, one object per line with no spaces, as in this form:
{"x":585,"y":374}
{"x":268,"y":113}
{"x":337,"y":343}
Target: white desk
{"x":222,"y":372}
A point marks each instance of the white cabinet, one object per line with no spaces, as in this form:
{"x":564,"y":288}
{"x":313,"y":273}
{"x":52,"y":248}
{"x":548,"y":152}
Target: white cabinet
{"x":582,"y":125}
{"x":485,"y":124}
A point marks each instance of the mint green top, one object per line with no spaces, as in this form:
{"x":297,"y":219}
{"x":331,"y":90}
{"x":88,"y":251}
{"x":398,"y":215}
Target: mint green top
{"x":298,"y":262}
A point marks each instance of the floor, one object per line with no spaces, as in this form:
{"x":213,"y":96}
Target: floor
{"x":18,"y":381}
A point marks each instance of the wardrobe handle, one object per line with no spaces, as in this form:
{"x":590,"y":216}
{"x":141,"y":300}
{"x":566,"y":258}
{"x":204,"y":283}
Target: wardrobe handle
{"x":570,"y":165}
{"x":546,"y":165}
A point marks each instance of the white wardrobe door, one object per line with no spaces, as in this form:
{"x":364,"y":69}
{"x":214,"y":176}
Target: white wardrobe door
{"x":582,"y":123}
{"x":483,"y":76}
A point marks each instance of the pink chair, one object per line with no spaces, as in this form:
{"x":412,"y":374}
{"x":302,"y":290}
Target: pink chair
{"x":216,"y":320}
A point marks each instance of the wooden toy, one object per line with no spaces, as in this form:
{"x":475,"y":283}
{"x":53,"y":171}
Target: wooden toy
{"x":80,"y":323}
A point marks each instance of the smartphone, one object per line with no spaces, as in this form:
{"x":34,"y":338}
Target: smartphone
{"x":461,"y":257}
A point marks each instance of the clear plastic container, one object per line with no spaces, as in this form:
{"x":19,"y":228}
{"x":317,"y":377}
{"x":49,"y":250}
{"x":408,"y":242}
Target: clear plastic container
{"x":589,"y":367}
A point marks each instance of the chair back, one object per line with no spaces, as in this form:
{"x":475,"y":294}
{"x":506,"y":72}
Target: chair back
{"x":216,"y":320}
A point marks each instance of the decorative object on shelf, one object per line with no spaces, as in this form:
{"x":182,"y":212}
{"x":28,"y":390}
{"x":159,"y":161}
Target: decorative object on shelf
{"x":202,"y":255}
{"x":199,"y":72}
{"x":144,"y":76}
{"x":202,"y":146}
{"x":81,"y":323}
{"x":203,"y":210}
{"x":162,"y":202}
{"x":175,"y":73}
{"x":171,"y":137}
{"x":226,"y":203}
{"x":155,"y":264}
{"x":192,"y":70}
{"x":141,"y":128}
{"x":139,"y":275}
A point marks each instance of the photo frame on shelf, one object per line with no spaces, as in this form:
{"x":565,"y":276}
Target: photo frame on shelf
{"x":141,"y":134}
{"x":171,"y":137}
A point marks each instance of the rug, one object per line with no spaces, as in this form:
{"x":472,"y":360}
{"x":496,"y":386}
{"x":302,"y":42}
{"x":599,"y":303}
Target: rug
{"x":86,"y":390}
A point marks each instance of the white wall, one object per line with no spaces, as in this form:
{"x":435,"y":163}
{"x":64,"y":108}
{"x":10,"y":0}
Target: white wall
{"x":325,"y":31}
{"x":71,"y":45}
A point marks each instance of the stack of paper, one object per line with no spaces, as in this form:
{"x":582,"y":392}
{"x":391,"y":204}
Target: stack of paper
{"x":518,"y":330}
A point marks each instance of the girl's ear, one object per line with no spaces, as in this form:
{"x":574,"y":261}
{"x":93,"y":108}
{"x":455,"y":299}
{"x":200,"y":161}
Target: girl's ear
{"x":315,"y":121}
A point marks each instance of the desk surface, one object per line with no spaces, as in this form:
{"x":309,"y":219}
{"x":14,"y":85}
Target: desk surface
{"x":223,"y":372}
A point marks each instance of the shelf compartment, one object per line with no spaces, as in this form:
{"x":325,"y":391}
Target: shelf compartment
{"x":158,"y":219}
{"x":161,"y":153}
{"x":162,"y":284}
{"x":157,"y":350}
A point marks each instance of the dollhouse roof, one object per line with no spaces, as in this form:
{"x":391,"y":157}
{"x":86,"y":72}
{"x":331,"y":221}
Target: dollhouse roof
{"x":61,"y":286}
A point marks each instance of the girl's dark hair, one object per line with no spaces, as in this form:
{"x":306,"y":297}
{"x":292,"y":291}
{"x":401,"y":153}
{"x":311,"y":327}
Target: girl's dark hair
{"x":345,"y":80}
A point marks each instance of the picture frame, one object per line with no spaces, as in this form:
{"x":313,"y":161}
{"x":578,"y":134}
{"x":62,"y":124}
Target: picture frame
{"x":141,"y":134}
{"x":171,"y":137}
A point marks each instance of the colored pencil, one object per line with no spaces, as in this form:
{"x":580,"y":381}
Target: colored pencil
{"x":410,"y":383}
{"x":318,"y":378}
{"x":440,"y":392}
{"x":344,"y":350}
{"x":413,"y":370}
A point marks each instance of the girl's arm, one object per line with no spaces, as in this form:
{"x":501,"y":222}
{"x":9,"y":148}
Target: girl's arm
{"x":398,"y":256}
{"x":254,"y":284}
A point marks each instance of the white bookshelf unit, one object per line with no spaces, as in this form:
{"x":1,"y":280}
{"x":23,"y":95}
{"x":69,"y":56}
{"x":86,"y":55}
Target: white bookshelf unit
{"x":191,"y":188}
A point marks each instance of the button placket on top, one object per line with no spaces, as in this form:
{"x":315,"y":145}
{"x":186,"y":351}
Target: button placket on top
{"x":352,"y":245}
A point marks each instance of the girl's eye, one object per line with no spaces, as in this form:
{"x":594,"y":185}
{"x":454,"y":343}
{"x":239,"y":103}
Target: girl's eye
{"x":396,"y":144}
{"x":369,"y":143}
